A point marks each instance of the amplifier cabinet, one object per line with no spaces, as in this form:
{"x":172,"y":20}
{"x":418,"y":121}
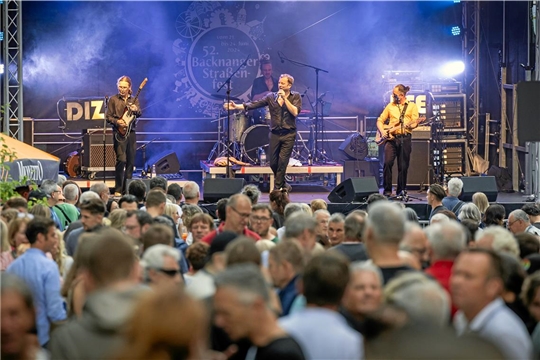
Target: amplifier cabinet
{"x":93,"y":150}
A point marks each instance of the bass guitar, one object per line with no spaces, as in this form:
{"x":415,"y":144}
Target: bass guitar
{"x":128,"y":116}
{"x":391,"y":132}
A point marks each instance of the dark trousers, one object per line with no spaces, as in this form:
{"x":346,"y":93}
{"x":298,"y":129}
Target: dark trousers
{"x":399,"y":147}
{"x":281,"y":147}
{"x":125,"y":159}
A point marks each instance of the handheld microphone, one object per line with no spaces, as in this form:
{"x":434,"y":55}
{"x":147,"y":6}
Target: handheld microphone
{"x":396,"y":98}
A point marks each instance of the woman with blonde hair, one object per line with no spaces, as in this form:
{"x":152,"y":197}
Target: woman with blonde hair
{"x":16,"y":241}
{"x":40,"y":210}
{"x":153,"y":332}
{"x":318,"y":204}
{"x":481,"y":201}
{"x":118,"y":218}
{"x":5,"y":255}
{"x":60,"y":257}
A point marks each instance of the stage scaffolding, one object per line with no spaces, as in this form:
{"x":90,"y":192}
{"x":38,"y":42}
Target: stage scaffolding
{"x":12,"y":78}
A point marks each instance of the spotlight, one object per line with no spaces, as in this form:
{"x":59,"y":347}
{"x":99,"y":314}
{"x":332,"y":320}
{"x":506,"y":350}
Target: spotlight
{"x":455,"y":30}
{"x":452,"y":69}
{"x":1,"y":69}
{"x":1,"y":36}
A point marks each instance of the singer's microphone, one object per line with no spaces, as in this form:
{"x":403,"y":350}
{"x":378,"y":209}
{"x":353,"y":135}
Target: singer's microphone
{"x":396,"y":98}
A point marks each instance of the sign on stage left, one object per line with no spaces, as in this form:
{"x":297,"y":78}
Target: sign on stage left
{"x":34,"y":164}
{"x":81,"y":113}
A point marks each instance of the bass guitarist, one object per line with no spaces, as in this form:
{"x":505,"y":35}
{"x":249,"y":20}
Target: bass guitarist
{"x":397,"y":138}
{"x":120,"y":106}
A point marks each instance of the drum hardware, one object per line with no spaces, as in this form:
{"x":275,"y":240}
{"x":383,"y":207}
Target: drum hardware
{"x":227,"y":99}
{"x":72,"y":165}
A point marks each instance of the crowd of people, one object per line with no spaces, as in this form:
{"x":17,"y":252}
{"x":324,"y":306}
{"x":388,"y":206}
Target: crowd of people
{"x":154,"y":274}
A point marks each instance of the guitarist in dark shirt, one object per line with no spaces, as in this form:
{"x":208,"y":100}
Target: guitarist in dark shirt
{"x":123,"y":106}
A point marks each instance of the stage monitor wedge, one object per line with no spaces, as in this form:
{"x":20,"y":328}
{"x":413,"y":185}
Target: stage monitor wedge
{"x":354,"y":190}
{"x":473,"y":184}
{"x":166,"y":163}
{"x":219,"y":188}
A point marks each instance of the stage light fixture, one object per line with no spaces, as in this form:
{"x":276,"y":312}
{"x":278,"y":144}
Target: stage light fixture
{"x":452,"y":68}
{"x":1,"y":69}
{"x":455,"y":30}
{"x":1,"y":36}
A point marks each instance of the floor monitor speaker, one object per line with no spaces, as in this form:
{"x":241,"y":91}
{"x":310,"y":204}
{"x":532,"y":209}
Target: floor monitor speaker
{"x":473,"y":184}
{"x":166,"y":163}
{"x":354,"y":190}
{"x":219,"y":188}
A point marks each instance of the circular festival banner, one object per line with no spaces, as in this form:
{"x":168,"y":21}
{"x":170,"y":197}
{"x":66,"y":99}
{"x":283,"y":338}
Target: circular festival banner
{"x":212,"y":46}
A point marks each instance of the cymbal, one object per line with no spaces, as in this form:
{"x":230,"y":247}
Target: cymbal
{"x":224,"y":97}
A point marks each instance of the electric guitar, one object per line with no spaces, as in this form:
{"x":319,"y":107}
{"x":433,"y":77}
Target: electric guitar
{"x":128,"y":116}
{"x":392,"y":131}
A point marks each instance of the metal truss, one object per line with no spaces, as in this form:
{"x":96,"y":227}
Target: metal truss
{"x":12,"y":79}
{"x":471,"y":56}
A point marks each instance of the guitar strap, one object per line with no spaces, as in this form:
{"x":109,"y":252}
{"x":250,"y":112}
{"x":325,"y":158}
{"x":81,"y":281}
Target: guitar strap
{"x":402,"y":115}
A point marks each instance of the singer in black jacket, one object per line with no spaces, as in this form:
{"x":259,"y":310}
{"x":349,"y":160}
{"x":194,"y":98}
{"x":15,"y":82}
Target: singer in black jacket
{"x":395,"y":125}
{"x":124,"y":147}
{"x":284,"y":105}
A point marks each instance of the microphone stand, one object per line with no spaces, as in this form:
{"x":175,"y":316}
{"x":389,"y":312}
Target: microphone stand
{"x":317,"y":100}
{"x":145,"y":169}
{"x":228,"y":83}
{"x":104,"y":138}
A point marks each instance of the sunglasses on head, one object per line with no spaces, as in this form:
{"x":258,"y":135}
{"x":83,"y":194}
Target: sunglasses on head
{"x":170,"y":273}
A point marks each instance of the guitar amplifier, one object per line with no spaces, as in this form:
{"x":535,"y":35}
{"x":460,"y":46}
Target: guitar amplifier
{"x":92,"y":156}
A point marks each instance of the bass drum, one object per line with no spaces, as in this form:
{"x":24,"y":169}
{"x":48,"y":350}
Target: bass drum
{"x":257,"y":136}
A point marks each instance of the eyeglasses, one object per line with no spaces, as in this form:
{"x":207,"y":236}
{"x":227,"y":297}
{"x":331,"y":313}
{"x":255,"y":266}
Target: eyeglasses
{"x":170,"y":273}
{"x":508,"y":224}
{"x":257,"y":218}
{"x":239,"y":213}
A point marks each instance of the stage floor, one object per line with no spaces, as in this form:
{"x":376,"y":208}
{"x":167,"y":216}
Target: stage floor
{"x":306,"y":193}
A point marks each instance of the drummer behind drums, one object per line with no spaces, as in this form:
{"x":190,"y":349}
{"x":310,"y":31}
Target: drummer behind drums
{"x":263,"y":86}
{"x":284,"y":106}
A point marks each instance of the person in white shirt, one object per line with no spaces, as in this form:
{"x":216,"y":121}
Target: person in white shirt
{"x":476,"y":286}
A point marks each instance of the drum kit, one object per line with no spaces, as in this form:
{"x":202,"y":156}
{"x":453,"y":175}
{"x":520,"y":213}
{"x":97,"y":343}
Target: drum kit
{"x":247,"y":132}
{"x":249,"y":136}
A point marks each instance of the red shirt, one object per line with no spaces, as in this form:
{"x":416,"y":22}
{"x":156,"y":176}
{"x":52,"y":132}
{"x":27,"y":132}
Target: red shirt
{"x":210,"y":237}
{"x":441,"y":270}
